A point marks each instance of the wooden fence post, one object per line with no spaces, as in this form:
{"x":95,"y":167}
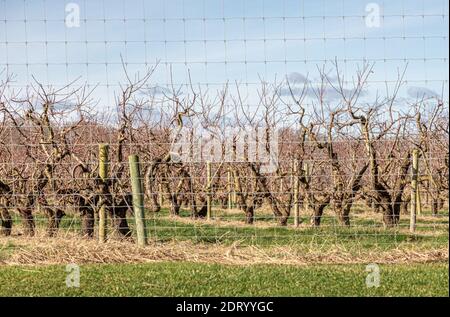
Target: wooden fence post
{"x":418,"y":196}
{"x":103,"y":173}
{"x":230,"y":195}
{"x":208,"y":188}
{"x":306,"y":170}
{"x":161,"y":196}
{"x":233,"y":186}
{"x":415,"y":169}
{"x":138,"y":200}
{"x":296,"y":200}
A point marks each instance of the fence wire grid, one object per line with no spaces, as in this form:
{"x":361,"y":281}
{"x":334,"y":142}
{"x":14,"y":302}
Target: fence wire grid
{"x":257,"y":121}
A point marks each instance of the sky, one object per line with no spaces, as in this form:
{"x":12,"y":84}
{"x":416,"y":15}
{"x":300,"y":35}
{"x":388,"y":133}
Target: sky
{"x":219,"y":41}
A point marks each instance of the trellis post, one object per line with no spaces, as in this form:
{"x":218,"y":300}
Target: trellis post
{"x":138,"y":200}
{"x":415,"y":172}
{"x":306,"y":170}
{"x":208,"y":189}
{"x":296,"y":200}
{"x":160,"y":193}
{"x":103,"y":174}
{"x":230,"y":195}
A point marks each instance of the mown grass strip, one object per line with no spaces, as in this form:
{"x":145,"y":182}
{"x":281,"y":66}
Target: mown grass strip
{"x":193,"y":279}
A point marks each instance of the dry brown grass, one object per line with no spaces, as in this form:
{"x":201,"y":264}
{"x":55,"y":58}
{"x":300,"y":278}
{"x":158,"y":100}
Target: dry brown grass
{"x":222,"y":222}
{"x":44,"y":251}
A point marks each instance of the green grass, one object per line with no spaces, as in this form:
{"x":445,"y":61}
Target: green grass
{"x":193,"y":279}
{"x":364,"y":232}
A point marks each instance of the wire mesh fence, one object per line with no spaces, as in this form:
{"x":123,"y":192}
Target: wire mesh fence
{"x":257,"y":121}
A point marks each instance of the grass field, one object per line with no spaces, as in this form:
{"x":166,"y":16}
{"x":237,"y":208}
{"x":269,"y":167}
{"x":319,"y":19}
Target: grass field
{"x":193,"y":279}
{"x":225,"y":257}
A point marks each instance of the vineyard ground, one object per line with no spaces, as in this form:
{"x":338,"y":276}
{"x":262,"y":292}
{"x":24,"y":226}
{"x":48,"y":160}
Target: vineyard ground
{"x":225,"y":257}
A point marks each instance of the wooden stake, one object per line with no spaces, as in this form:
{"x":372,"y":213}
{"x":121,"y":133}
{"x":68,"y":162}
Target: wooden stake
{"x":138,"y":200}
{"x":103,"y":174}
{"x":208,"y":194}
{"x":415,"y":169}
{"x":230,"y":196}
{"x":419,"y":198}
{"x":307,"y":172}
{"x":234,"y":195}
{"x":296,"y":200}
{"x":160,"y":195}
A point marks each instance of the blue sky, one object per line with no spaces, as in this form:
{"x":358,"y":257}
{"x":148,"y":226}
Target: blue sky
{"x":224,"y":40}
